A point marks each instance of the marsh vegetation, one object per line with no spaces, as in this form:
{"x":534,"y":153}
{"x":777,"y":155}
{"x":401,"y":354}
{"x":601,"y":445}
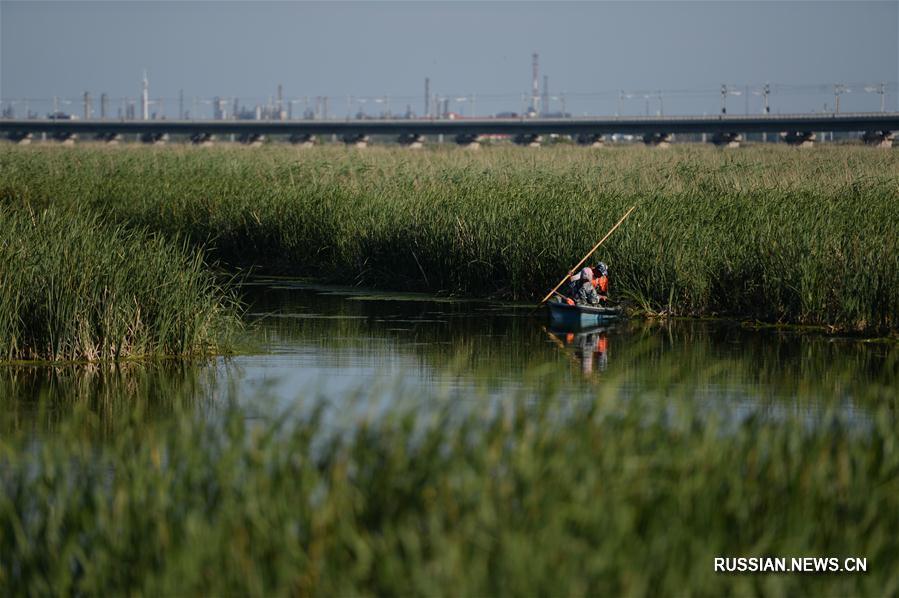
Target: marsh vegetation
{"x":767,"y":233}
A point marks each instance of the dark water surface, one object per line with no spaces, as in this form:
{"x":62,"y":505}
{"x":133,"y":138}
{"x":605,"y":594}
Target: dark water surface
{"x":361,"y":350}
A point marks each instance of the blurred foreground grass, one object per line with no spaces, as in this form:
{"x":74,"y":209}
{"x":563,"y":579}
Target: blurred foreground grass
{"x":607,"y":496}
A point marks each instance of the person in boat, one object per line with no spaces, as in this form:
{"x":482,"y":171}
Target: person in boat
{"x":590,"y":286}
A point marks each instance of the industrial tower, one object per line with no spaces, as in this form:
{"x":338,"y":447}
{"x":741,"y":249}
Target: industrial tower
{"x":145,"y":98}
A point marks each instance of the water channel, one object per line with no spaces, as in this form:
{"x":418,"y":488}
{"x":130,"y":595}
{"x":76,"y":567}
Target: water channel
{"x":359,"y":350}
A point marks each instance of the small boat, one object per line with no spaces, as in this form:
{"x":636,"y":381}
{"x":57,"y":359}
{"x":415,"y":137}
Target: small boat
{"x":564,"y":315}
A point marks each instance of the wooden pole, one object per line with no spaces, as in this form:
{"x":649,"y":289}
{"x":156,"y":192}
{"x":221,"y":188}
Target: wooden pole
{"x":586,"y":257}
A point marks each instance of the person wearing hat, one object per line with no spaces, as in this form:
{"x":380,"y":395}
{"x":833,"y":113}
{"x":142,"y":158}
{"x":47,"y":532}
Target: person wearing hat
{"x":601,"y":280}
{"x":583,"y":285}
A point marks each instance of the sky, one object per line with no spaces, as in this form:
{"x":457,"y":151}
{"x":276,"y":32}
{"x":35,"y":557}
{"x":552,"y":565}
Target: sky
{"x":602,"y":57}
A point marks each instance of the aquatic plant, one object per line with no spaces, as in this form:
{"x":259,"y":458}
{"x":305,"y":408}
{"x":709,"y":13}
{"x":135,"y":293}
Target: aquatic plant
{"x":74,"y":288}
{"x":767,"y":233}
{"x":611,"y":495}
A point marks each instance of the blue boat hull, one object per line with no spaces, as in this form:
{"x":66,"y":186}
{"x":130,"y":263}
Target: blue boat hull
{"x":562,"y":315}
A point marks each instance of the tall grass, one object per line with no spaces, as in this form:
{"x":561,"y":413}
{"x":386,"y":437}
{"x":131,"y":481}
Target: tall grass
{"x":769,"y":233}
{"x":613,"y":496}
{"x":73,"y":288}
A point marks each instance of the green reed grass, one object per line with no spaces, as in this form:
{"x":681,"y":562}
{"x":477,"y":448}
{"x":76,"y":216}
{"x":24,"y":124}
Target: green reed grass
{"x":770,"y":233}
{"x":73,"y":288}
{"x":612,"y":496}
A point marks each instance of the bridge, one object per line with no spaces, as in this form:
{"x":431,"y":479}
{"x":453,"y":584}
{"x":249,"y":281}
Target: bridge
{"x":877,"y":128}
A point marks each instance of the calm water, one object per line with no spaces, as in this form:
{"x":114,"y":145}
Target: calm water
{"x":361,"y":350}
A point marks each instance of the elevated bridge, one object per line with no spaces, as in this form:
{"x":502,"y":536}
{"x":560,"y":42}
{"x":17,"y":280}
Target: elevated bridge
{"x":723,"y":129}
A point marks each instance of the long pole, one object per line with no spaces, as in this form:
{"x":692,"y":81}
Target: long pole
{"x":586,"y":257}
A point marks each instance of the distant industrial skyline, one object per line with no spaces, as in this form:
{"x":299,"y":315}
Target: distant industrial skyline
{"x":373,"y":57}
{"x":734,"y":99}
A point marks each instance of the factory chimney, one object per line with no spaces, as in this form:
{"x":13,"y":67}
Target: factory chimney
{"x":145,"y":98}
{"x":544,"y":103}
{"x":535,"y":83}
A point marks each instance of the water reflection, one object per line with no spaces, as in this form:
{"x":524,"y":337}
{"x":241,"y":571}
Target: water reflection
{"x":589,"y":348}
{"x":426,"y":341}
{"x":40,"y":397}
{"x":308,"y":341}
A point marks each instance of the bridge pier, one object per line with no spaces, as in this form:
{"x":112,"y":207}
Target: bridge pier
{"x":589,"y":140}
{"x":154,"y":138}
{"x":411,"y":140}
{"x":252,"y":139}
{"x":302,"y":140}
{"x":468,"y":141}
{"x":64,"y":137}
{"x":202,"y":139}
{"x":883,"y":139}
{"x":20,"y":137}
{"x":725,"y":140}
{"x":527,"y":140}
{"x":108,"y":138}
{"x":798,"y":138}
{"x":357,"y":140}
{"x":660,"y":140}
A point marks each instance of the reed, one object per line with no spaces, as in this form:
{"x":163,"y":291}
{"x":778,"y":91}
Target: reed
{"x":75,"y":289}
{"x":767,"y":233}
{"x":632,"y":496}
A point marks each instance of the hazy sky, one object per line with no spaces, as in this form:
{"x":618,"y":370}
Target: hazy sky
{"x":374,"y":48}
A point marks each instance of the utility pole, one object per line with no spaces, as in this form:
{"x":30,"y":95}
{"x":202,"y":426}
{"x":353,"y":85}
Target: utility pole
{"x":427,"y":112}
{"x":882,"y":92}
{"x":724,"y":99}
{"x":661,"y":104}
{"x":766,"y":92}
{"x":620,"y":98}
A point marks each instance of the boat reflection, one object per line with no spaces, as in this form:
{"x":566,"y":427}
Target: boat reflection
{"x":588,"y":348}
